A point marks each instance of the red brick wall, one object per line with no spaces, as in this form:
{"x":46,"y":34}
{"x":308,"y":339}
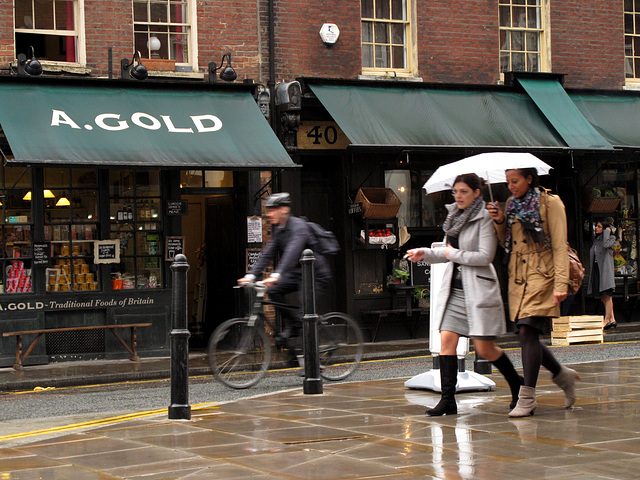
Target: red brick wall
{"x":7,"y":52}
{"x":587,"y":42}
{"x":458,"y":45}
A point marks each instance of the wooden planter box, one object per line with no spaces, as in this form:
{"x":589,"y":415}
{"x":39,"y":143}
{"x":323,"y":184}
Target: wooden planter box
{"x":162,"y":64}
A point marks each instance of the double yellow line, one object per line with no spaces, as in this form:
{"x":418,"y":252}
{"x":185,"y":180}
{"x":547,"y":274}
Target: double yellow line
{"x":97,"y":423}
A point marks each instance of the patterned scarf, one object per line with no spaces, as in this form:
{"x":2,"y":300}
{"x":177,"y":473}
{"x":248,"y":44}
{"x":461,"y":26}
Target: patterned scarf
{"x":457,"y":218}
{"x":527,"y":211}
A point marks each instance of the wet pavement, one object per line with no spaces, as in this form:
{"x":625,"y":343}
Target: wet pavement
{"x":361,"y":430}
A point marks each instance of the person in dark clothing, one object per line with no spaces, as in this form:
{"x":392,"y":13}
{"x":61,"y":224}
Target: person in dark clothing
{"x":290,"y":236}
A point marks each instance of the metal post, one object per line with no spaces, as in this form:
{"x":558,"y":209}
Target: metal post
{"x":179,"y":339}
{"x":312,"y":383}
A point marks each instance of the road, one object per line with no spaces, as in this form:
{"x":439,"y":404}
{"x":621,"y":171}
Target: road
{"x":60,"y":408}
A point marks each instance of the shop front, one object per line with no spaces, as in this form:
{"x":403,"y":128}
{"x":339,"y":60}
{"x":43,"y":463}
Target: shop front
{"x":103,"y":183}
{"x":397,"y":134}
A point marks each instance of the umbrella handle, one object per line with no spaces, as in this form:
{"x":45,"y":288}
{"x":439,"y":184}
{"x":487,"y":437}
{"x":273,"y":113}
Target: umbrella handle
{"x":489,"y":185}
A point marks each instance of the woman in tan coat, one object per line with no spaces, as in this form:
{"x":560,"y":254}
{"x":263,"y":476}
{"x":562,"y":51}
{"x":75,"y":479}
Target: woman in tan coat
{"x":533,"y":231}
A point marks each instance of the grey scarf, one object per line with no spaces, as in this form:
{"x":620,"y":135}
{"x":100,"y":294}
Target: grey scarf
{"x":457,"y":218}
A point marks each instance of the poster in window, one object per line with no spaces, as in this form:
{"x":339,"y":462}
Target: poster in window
{"x":173,"y":246}
{"x":106,"y":251}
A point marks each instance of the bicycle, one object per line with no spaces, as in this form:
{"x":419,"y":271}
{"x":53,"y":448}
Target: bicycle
{"x":240,"y":349}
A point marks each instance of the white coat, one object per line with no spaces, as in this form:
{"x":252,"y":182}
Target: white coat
{"x":477,"y":244}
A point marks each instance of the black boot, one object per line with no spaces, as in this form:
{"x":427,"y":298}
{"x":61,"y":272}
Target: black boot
{"x":515,"y":381}
{"x":448,"y":380}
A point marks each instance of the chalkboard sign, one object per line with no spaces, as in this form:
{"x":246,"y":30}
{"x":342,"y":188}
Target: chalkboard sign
{"x":41,"y":254}
{"x":420,"y":273}
{"x":177,"y":207}
{"x":252,"y":257}
{"x":106,"y":251}
{"x":174,"y":246}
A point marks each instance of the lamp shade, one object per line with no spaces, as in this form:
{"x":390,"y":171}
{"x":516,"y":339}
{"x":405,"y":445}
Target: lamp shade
{"x":63,"y":201}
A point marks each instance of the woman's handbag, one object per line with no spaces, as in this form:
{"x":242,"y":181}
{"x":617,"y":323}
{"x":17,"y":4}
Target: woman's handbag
{"x":576,"y":271}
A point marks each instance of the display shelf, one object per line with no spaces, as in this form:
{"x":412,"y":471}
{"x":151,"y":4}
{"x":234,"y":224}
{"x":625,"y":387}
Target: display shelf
{"x":366,"y":226}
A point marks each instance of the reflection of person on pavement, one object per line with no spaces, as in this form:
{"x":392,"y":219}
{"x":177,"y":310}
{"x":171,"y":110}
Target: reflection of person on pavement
{"x":469,"y":302}
{"x":602,"y":279}
{"x":290,"y":237}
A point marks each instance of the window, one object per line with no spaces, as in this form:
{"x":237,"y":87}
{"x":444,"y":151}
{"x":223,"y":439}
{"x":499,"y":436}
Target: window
{"x":632,"y":38}
{"x":15,"y":229}
{"x":385,"y":36}
{"x":162,"y":29}
{"x":521,"y":35}
{"x":418,"y":209}
{"x":70,"y":227}
{"x":51,"y":27}
{"x":206,"y":179}
{"x":136,"y":220}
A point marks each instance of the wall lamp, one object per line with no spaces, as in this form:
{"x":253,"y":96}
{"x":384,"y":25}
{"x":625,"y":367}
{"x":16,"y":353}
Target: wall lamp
{"x":130,"y":69}
{"x":228,"y":74}
{"x":30,"y":67}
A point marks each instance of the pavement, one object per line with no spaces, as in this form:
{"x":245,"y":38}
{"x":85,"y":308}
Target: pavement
{"x":373,"y":429}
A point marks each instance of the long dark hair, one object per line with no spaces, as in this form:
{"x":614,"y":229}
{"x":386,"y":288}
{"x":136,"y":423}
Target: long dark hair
{"x":606,"y":223}
{"x":471,"y":179}
{"x":525,"y":172}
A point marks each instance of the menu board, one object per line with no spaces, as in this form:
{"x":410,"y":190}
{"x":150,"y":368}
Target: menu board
{"x":41,"y":254}
{"x":106,"y":251}
{"x":174,"y":246}
{"x":177,"y":207}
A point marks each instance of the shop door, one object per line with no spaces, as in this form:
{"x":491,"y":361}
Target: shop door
{"x":222,"y":260}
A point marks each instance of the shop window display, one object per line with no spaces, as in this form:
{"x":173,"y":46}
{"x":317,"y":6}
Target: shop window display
{"x":15,"y":231}
{"x":71,"y":217}
{"x":135,"y":217}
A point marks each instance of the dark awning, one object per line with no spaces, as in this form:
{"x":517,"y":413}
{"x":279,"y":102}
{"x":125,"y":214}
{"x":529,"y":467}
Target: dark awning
{"x":413,"y":116}
{"x":557,"y":107}
{"x":615,"y":117}
{"x":111,"y":124}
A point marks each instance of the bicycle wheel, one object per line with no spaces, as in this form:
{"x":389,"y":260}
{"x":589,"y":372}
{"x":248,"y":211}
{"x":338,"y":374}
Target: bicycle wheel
{"x":340,"y":345}
{"x":239,"y":354}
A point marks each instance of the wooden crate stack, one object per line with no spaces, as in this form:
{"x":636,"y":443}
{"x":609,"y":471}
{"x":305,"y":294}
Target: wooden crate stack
{"x":578,"y":329}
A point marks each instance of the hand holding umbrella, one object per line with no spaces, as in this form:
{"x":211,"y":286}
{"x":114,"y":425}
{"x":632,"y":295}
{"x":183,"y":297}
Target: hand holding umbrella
{"x":495,"y":212}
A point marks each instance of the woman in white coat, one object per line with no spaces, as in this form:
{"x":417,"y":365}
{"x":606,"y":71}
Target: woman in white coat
{"x":469,"y":302}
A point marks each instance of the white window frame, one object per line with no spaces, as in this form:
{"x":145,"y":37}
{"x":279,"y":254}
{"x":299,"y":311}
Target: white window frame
{"x":78,"y":33}
{"x":544,"y":59}
{"x":190,"y":23}
{"x":633,"y":81}
{"x":410,"y":47}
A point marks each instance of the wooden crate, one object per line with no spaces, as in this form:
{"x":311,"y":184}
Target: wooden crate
{"x":577,"y":329}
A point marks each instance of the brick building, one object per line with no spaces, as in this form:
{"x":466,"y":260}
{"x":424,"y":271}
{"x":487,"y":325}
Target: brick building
{"x":408,"y":85}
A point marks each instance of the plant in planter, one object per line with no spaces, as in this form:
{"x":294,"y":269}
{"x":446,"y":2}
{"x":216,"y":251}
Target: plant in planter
{"x":400,"y":276}
{"x":422,"y":296}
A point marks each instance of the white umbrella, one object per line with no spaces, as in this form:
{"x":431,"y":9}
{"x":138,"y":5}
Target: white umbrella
{"x":490,"y":166}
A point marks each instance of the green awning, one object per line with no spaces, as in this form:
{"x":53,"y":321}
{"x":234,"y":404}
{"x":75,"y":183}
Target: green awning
{"x":616,"y":118}
{"x":415,"y":116}
{"x":120,"y":125}
{"x":554,"y":102}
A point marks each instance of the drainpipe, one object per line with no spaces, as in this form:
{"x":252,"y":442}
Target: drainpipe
{"x":271,"y":83}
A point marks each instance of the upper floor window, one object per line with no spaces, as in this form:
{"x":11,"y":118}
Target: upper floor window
{"x":521,"y":31}
{"x":51,"y":27}
{"x":162,"y":29}
{"x":385,"y":36}
{"x":632,"y":38}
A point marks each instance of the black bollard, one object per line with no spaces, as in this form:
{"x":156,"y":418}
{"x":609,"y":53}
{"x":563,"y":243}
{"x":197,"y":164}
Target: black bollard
{"x":312,"y":383}
{"x":179,"y":339}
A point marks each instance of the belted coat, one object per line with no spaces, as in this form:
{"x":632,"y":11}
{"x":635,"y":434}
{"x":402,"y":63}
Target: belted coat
{"x":537,"y":270}
{"x":477,"y":243}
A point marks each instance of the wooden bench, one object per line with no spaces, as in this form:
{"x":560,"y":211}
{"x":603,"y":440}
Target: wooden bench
{"x":406,"y":316}
{"x":20,"y":357}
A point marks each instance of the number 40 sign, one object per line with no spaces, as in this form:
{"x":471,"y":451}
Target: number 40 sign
{"x":321,"y":135}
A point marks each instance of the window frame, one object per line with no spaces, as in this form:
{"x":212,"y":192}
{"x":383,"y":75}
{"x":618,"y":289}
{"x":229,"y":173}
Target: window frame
{"x":78,"y":33}
{"x":544,"y":58}
{"x":190,"y":22}
{"x":635,"y":79}
{"x":409,"y":45}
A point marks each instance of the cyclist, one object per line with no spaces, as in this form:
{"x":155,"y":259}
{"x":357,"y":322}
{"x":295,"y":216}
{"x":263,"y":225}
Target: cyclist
{"x":290,"y":236}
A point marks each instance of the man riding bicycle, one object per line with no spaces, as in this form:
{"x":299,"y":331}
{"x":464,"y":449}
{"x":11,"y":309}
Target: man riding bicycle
{"x":290,"y":236}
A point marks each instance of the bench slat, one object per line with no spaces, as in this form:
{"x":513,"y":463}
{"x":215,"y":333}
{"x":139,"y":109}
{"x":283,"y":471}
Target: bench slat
{"x":72,"y":329}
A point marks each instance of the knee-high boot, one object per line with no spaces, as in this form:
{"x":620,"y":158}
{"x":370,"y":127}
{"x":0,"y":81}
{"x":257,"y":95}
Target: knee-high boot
{"x":448,"y":380}
{"x":515,"y":381}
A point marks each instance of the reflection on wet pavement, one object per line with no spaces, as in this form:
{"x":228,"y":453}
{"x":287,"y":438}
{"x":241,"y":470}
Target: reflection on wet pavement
{"x":364,"y":430}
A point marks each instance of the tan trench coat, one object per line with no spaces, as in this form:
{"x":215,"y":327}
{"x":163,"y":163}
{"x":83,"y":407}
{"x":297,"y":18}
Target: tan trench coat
{"x":536,"y":271}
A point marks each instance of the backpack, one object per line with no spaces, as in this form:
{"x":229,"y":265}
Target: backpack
{"x":322,"y":242}
{"x":576,"y":271}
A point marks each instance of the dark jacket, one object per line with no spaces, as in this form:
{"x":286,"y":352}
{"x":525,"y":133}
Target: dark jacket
{"x":287,"y":243}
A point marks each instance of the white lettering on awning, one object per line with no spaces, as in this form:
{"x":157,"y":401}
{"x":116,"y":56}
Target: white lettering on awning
{"x":198,"y":121}
{"x":137,"y":117}
{"x":58,"y":117}
{"x":169,"y":123}
{"x":100,"y":121}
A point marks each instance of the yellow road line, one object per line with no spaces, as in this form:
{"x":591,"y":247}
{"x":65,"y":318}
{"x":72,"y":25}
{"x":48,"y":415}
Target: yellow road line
{"x":97,"y":423}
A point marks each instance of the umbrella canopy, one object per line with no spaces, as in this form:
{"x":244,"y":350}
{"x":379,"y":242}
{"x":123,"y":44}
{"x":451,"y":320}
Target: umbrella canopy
{"x":490,"y":166}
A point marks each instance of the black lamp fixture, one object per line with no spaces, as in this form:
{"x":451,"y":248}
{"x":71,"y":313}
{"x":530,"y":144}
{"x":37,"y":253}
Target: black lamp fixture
{"x":130,"y":69}
{"x":30,"y":67}
{"x":228,"y":74}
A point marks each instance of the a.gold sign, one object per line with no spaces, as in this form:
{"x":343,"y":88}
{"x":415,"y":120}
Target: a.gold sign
{"x":321,"y":135}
